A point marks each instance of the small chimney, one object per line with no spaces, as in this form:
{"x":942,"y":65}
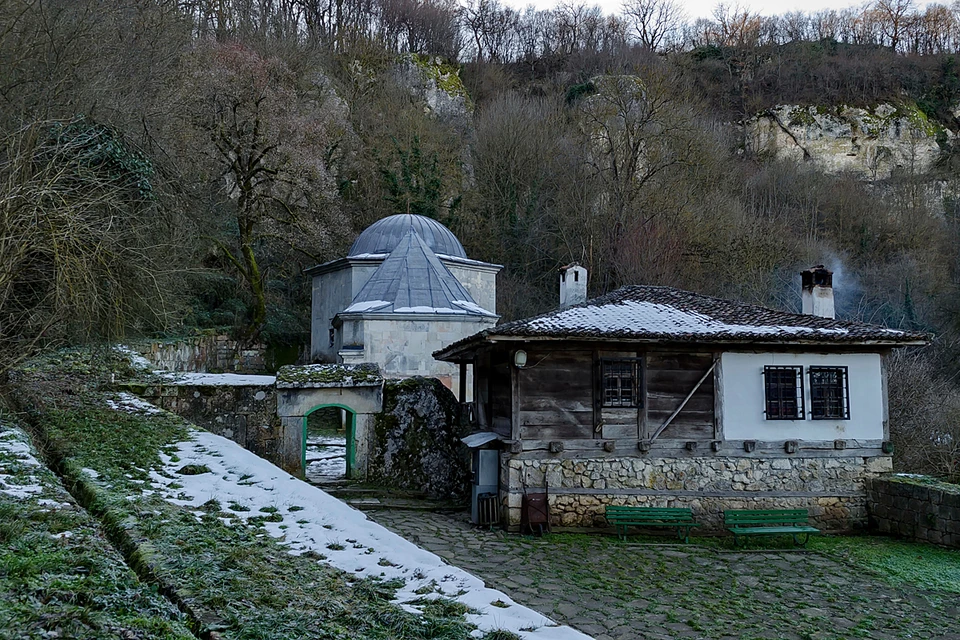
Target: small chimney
{"x":573,"y":285}
{"x":817,"y":294}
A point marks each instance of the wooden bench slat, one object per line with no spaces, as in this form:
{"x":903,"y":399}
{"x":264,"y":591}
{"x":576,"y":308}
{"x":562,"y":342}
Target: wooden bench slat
{"x":770,"y":521}
{"x":626,"y":516}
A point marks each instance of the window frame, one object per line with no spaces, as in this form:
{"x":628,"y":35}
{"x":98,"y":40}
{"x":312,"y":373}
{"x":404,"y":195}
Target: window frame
{"x":797,"y":370}
{"x":843,"y":387}
{"x":637,"y":373}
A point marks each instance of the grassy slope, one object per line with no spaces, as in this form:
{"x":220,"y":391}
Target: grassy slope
{"x":234,"y":580}
{"x":59,"y":573}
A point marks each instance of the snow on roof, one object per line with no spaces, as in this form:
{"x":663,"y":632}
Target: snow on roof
{"x":643,"y":312}
{"x":412,"y":280}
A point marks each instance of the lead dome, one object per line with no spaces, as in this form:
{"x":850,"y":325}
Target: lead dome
{"x":384,"y":235}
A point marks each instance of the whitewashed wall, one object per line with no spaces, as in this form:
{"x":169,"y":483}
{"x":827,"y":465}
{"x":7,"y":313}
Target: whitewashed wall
{"x":404,"y":347}
{"x":743,"y":398}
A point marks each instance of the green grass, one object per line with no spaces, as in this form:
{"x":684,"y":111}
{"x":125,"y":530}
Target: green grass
{"x":232,"y":578}
{"x":59,"y":573}
{"x":899,"y":561}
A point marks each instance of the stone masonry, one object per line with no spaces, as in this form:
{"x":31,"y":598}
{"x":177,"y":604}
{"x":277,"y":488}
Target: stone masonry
{"x":917,"y":508}
{"x":244,"y":414}
{"x":831,"y":488}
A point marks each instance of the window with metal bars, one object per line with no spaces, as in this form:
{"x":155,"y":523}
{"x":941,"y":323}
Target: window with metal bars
{"x":783,"y":392}
{"x":621,"y":382}
{"x":829,"y":393}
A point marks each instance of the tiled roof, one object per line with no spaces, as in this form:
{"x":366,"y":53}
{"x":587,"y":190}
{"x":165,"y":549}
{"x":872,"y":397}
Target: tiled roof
{"x":651,"y":313}
{"x":412,"y":280}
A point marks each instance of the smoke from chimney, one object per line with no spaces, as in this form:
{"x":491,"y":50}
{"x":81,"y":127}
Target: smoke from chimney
{"x":573,"y":285}
{"x":817,"y":292}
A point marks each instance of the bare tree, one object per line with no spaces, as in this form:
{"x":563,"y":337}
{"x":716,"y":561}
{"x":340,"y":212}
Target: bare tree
{"x":270,"y":139}
{"x":85,"y":239}
{"x":893,"y":18}
{"x":656,"y":23}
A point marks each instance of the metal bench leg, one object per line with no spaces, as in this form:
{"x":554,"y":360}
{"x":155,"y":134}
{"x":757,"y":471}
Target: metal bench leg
{"x":806,"y":538}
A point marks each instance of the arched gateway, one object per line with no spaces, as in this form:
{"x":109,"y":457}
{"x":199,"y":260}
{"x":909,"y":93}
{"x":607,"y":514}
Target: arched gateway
{"x":301,"y":390}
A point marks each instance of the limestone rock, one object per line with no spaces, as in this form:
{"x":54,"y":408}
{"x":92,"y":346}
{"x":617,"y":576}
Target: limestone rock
{"x":416,"y":442}
{"x":873,"y":143}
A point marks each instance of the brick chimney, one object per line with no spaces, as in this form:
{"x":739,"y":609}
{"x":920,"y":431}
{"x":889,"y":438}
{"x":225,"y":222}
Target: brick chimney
{"x":817,"y":293}
{"x":573,"y":285}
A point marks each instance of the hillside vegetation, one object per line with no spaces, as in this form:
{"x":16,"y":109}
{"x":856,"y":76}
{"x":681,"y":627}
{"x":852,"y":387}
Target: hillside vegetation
{"x":170,"y":165}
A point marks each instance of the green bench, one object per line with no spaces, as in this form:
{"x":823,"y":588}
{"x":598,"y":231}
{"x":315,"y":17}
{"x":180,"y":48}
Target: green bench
{"x":769,"y":522}
{"x":623,"y":517}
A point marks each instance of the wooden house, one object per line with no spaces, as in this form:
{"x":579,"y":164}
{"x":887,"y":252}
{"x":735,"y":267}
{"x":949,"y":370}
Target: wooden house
{"x":656,"y":396}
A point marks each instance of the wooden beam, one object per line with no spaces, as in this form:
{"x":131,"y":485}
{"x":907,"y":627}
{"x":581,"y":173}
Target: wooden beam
{"x":718,"y":398}
{"x":514,"y":402}
{"x":673,"y":415}
{"x":463,"y":382}
{"x":627,"y":448}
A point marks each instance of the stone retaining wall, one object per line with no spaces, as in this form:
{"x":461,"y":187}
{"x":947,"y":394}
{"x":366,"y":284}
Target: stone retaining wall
{"x":918,"y":508}
{"x":245,"y":414}
{"x":831,"y":488}
{"x":205,"y":353}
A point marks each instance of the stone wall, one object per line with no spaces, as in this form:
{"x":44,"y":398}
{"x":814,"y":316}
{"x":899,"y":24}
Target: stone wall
{"x":205,"y":353}
{"x":244,"y":414}
{"x":831,"y":488}
{"x":915,"y":507}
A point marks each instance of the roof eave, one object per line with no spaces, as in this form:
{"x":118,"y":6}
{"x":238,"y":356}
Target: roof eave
{"x":472,"y":344}
{"x":392,"y":315}
{"x":339,"y":263}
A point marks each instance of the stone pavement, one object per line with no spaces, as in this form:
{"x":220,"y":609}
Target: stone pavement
{"x":614,"y":590}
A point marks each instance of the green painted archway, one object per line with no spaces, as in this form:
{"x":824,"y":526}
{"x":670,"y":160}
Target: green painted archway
{"x":351,"y":429}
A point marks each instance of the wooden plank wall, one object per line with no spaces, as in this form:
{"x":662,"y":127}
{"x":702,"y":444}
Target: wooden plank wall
{"x":501,"y":397}
{"x":556,"y":395}
{"x":669,"y":378}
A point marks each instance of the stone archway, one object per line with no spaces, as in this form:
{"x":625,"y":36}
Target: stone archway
{"x":301,"y":390}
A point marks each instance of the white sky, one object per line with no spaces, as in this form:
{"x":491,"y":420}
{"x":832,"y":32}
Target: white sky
{"x":704,"y":8}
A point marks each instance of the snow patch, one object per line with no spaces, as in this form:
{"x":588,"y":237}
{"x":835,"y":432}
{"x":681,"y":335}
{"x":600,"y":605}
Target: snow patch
{"x":218,"y":379}
{"x":422,"y":309}
{"x":16,"y":457}
{"x":366,"y":305}
{"x":473,"y":307}
{"x":132,"y":404}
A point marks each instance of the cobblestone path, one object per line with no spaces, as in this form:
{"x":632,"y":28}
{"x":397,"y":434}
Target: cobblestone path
{"x":614,"y":590}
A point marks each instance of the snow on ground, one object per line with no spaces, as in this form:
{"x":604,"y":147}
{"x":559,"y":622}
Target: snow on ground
{"x":315,"y":521}
{"x":326,"y":458}
{"x":217,"y":379}
{"x":130,"y":403}
{"x":16,"y":462}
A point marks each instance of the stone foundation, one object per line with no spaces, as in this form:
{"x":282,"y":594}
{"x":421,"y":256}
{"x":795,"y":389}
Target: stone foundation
{"x":831,"y":488}
{"x":918,"y":508}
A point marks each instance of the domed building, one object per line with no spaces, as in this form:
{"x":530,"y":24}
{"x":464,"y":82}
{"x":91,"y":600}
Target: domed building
{"x":405,"y":290}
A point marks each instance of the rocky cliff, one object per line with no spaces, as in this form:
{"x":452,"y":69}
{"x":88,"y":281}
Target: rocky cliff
{"x":872,"y":143}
